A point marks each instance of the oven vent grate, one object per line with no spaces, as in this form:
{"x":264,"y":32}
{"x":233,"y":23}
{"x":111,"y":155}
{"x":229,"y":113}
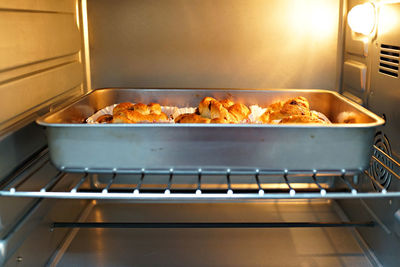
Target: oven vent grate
{"x":204,"y":185}
{"x":389,"y":60}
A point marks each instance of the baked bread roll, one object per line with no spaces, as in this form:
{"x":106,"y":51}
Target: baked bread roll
{"x":205,"y":107}
{"x":120,"y":119}
{"x":134,"y":113}
{"x":219,"y":120}
{"x":154,"y":108}
{"x":141,"y":108}
{"x":191,"y":118}
{"x":133,"y":116}
{"x":224,"y":111}
{"x":122,"y":106}
{"x":107,"y":118}
{"x":226,"y":103}
{"x":239,"y":111}
{"x":218,"y":111}
{"x":301,"y":119}
{"x":297,"y":106}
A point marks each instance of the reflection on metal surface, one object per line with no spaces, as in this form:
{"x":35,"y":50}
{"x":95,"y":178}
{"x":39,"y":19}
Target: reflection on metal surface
{"x":388,"y":19}
{"x":85,"y":30}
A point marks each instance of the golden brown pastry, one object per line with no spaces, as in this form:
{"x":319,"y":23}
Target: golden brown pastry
{"x":224,"y":111}
{"x":280,"y":110}
{"x":220,"y":120}
{"x":107,"y":118}
{"x":141,"y":108}
{"x":191,"y":118}
{"x":154,"y":108}
{"x":301,"y":119}
{"x":205,"y":107}
{"x":122,"y":106}
{"x":219,"y":112}
{"x":296,"y":106}
{"x":239,"y":111}
{"x":133,"y":116}
{"x":121,"y":119}
{"x":134,"y":113}
{"x":277,"y":106}
{"x":226,"y":103}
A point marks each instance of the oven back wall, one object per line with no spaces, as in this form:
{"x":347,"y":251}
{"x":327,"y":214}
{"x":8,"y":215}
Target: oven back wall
{"x":214,"y":44}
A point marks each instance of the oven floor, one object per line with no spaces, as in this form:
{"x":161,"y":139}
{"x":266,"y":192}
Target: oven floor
{"x":214,"y":247}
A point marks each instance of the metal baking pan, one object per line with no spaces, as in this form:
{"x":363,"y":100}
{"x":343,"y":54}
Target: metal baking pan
{"x":76,"y":146}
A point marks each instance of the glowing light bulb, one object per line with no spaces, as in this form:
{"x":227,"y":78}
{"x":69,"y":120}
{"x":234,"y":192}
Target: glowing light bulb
{"x":361,"y":18}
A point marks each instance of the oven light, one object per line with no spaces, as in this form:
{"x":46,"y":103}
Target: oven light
{"x":361,"y":18}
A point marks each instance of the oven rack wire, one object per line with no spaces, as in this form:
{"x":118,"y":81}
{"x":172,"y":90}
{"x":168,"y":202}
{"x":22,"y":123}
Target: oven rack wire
{"x":201,"y":191}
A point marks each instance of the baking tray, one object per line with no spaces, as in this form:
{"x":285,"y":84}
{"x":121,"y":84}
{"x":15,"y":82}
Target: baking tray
{"x":76,"y":146}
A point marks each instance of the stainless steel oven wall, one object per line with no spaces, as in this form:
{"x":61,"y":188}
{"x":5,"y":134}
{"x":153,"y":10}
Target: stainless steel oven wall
{"x":379,"y":90}
{"x":40,"y":66}
{"x":215,"y":44}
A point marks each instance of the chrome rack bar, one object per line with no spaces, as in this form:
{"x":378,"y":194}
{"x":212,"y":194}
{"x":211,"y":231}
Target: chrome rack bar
{"x":19,"y":180}
{"x":198,"y":190}
{"x":105,"y":190}
{"x":260,"y":190}
{"x":210,"y":225}
{"x":76,"y":187}
{"x":136,"y":191}
{"x":204,"y":171}
{"x":292,"y":192}
{"x":321,"y":190}
{"x":352,"y":189}
{"x":228,"y":182}
{"x":6,"y":184}
{"x":53,"y":182}
{"x":383,"y":190}
{"x":168,"y":188}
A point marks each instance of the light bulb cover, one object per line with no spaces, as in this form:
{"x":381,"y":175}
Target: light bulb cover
{"x":361,"y":18}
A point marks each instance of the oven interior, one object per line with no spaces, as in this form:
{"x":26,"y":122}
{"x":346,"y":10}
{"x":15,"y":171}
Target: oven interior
{"x":53,"y":52}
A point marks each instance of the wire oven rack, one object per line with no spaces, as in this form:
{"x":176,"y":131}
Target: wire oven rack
{"x":312,"y":185}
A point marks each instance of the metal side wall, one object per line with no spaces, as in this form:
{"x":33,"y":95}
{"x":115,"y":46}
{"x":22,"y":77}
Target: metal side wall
{"x":382,"y":96}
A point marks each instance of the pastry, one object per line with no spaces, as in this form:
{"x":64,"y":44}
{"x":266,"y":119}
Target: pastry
{"x":224,"y":111}
{"x":134,"y":113}
{"x":218,"y":111}
{"x":294,"y":110}
{"x":191,"y":118}
{"x":133,"y":116}
{"x":205,"y":107}
{"x":301,"y":119}
{"x":122,"y":106}
{"x":107,"y":118}
{"x":154,"y":108}
{"x":226,"y":103}
{"x":219,"y":120}
{"x":211,"y":110}
{"x":239,"y":111}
